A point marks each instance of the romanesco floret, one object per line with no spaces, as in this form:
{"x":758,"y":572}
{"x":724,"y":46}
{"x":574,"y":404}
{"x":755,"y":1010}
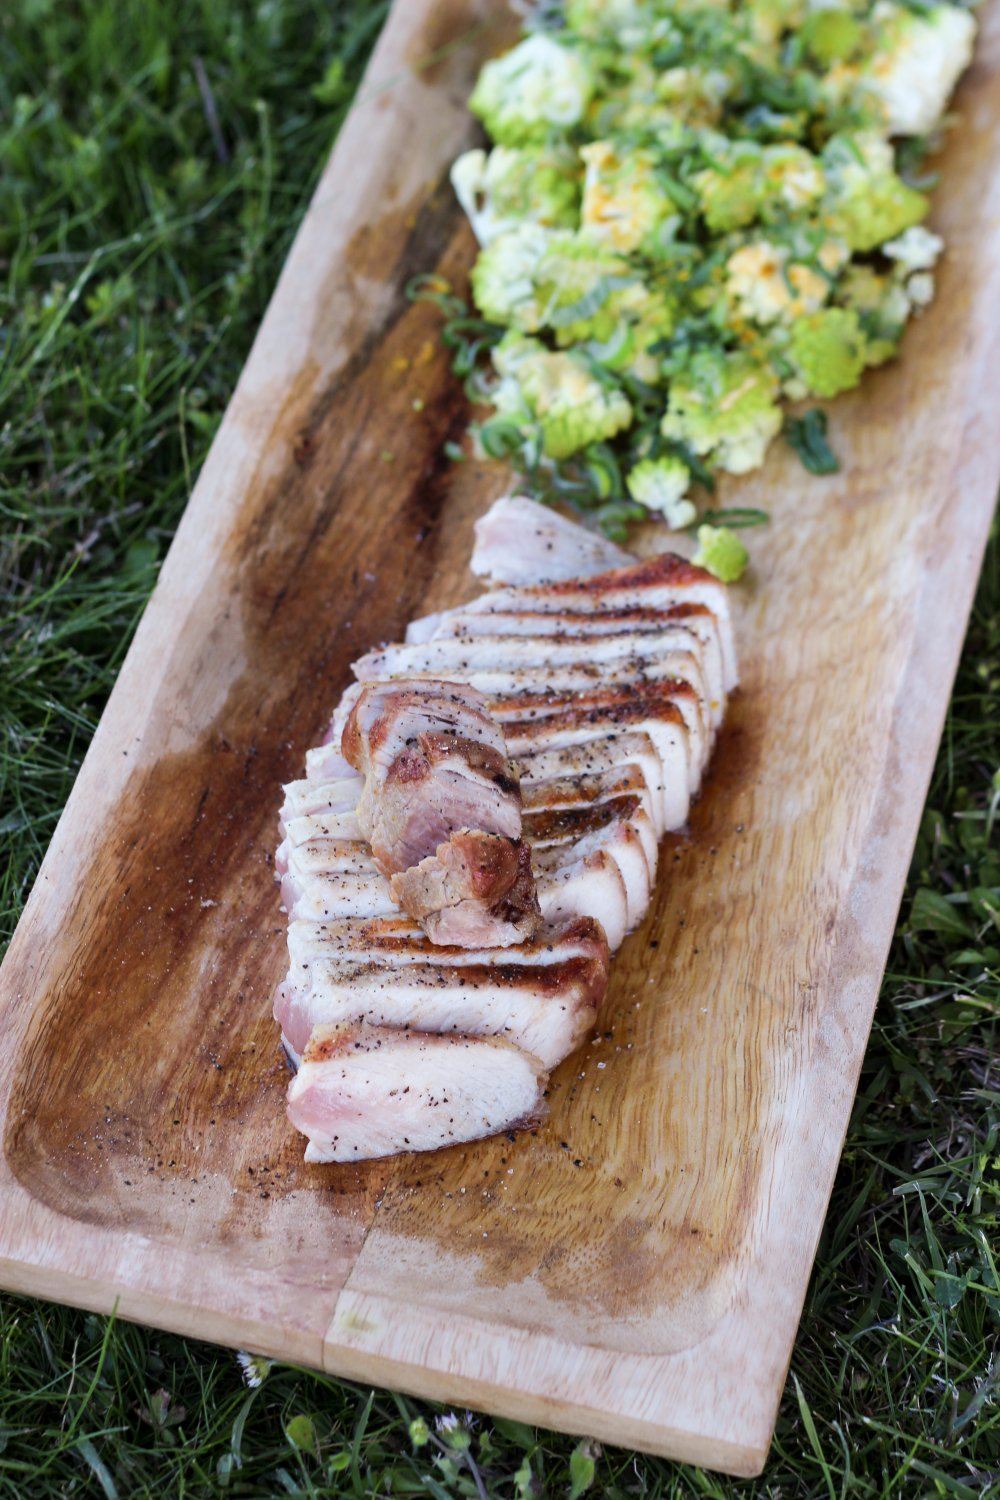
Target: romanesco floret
{"x":731,"y":192}
{"x":504,"y":278}
{"x":721,"y":552}
{"x":579,"y":284}
{"x":831,"y":35}
{"x":868,"y":203}
{"x":882,"y":307}
{"x":642,"y":317}
{"x":828,"y":351}
{"x":916,"y":63}
{"x":764,"y":286}
{"x":622,"y":201}
{"x":537,"y":87}
{"x":558,"y":394}
{"x":723,"y":404}
{"x":660,"y":484}
{"x":513,"y":185}
{"x":791,"y":182}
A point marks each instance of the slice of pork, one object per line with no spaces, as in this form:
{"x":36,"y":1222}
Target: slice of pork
{"x":441,"y":810}
{"x":674,"y":651}
{"x":477,"y":889}
{"x":396,"y":941}
{"x":659,"y":583}
{"x":369,"y":1091}
{"x":699,"y":624}
{"x":595,"y":757}
{"x":547,"y":1009}
{"x":519,"y":541}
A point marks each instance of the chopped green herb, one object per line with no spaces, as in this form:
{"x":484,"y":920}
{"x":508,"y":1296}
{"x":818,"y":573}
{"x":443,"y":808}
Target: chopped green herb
{"x":807,"y":435}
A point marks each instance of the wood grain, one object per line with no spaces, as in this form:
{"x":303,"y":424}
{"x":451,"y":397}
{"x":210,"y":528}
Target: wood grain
{"x":636,"y":1269}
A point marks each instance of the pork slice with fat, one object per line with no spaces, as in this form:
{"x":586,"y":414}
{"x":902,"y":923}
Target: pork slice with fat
{"x":547,"y":1009}
{"x":369,"y":1091}
{"x":519,"y":541}
{"x":441,"y":810}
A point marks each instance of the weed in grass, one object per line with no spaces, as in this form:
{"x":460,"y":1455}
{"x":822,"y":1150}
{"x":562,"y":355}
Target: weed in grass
{"x":154,"y":160}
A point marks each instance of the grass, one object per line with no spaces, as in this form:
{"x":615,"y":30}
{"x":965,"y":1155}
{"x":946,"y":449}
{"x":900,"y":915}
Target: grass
{"x":154,"y":160}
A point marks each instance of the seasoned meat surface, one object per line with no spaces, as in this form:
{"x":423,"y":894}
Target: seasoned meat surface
{"x":479,"y":830}
{"x":441,"y":810}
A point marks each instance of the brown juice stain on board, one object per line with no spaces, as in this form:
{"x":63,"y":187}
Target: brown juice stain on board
{"x":149,"y":1090}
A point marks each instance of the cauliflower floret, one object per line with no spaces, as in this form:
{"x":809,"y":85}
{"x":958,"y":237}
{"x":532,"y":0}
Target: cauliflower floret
{"x":828,"y":351}
{"x":724,"y":405}
{"x":537,"y":87}
{"x":558,"y":394}
{"x":867,"y":202}
{"x":764,"y":288}
{"x":660,"y":484}
{"x":721,"y":552}
{"x":622,"y":200}
{"x":916,"y":63}
{"x":512,"y":185}
{"x":504,"y":278}
{"x":915,"y":250}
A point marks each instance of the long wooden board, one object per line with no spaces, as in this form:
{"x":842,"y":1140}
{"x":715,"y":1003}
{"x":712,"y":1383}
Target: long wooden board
{"x":635,"y":1270}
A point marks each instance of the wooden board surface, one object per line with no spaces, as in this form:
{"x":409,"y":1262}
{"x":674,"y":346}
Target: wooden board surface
{"x":635,"y":1270}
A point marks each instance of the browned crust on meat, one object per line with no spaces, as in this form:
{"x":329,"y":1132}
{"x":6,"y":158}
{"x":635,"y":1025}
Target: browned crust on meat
{"x":666,"y":568}
{"x":551,"y":824}
{"x":623,"y":704}
{"x":584,"y":789}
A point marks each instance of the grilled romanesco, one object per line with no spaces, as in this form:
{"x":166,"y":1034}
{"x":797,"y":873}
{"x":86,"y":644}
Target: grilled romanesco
{"x":691,"y":209}
{"x":515,"y":185}
{"x":557,"y":396}
{"x":660,"y":484}
{"x":537,"y":87}
{"x":828,"y":351}
{"x":721,"y":552}
{"x":868,"y":202}
{"x":724,"y":407}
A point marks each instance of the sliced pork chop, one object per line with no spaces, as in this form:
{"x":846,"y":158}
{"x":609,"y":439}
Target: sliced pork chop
{"x":698,"y":622}
{"x":547,"y":1009}
{"x":441,"y":810}
{"x":668,"y":712}
{"x":369,"y":1091}
{"x":590,"y":883}
{"x":519,"y":541}
{"x":534,"y":693}
{"x":622,"y":829}
{"x":595,"y":757}
{"x":674,"y":651}
{"x":477,"y":889}
{"x":660,"y":583}
{"x":396,"y":941}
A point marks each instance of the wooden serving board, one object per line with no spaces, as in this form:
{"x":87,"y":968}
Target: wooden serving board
{"x":635,"y":1270}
